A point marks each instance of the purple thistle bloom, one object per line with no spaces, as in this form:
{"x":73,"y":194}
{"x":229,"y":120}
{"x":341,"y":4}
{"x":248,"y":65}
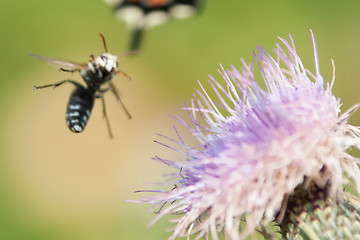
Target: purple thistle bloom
{"x":256,"y":146}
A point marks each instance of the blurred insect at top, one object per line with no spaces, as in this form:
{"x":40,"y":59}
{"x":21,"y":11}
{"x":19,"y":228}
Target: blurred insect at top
{"x":145,"y":14}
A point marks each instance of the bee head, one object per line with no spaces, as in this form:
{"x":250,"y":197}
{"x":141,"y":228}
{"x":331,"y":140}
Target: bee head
{"x":107,"y":62}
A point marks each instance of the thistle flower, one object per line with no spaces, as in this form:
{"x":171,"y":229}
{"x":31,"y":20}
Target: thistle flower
{"x":256,"y":147}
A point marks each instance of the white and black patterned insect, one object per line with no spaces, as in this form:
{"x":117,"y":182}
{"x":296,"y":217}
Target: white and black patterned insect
{"x":96,"y":73}
{"x":145,"y":14}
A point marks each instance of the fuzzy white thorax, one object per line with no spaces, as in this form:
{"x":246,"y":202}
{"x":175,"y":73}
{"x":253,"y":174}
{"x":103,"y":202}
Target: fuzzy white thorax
{"x":107,"y":61}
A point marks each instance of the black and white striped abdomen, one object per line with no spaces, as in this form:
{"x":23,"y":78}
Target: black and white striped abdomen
{"x":79,"y":108}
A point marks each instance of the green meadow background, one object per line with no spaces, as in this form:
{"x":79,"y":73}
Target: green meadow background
{"x":57,"y":185}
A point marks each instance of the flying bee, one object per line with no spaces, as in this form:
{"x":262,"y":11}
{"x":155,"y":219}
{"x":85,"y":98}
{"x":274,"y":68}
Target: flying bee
{"x":96,"y":73}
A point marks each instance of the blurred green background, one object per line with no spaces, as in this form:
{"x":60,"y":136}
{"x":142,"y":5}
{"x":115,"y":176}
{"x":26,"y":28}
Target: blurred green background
{"x":56,"y":185}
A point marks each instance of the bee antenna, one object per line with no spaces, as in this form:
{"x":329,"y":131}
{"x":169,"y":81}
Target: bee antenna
{"x":103,"y":39}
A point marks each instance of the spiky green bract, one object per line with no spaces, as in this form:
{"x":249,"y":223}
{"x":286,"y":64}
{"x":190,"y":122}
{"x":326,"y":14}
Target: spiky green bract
{"x":310,"y":214}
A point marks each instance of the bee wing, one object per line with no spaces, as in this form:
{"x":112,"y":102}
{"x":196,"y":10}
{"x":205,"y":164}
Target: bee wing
{"x":59,"y":63}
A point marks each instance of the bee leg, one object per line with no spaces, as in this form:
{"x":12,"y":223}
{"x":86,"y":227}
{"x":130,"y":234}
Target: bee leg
{"x":104,"y":90}
{"x":105,"y":115}
{"x":54,"y":85}
{"x":124,"y":74}
{"x":69,"y":70}
{"x":116,"y":93}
